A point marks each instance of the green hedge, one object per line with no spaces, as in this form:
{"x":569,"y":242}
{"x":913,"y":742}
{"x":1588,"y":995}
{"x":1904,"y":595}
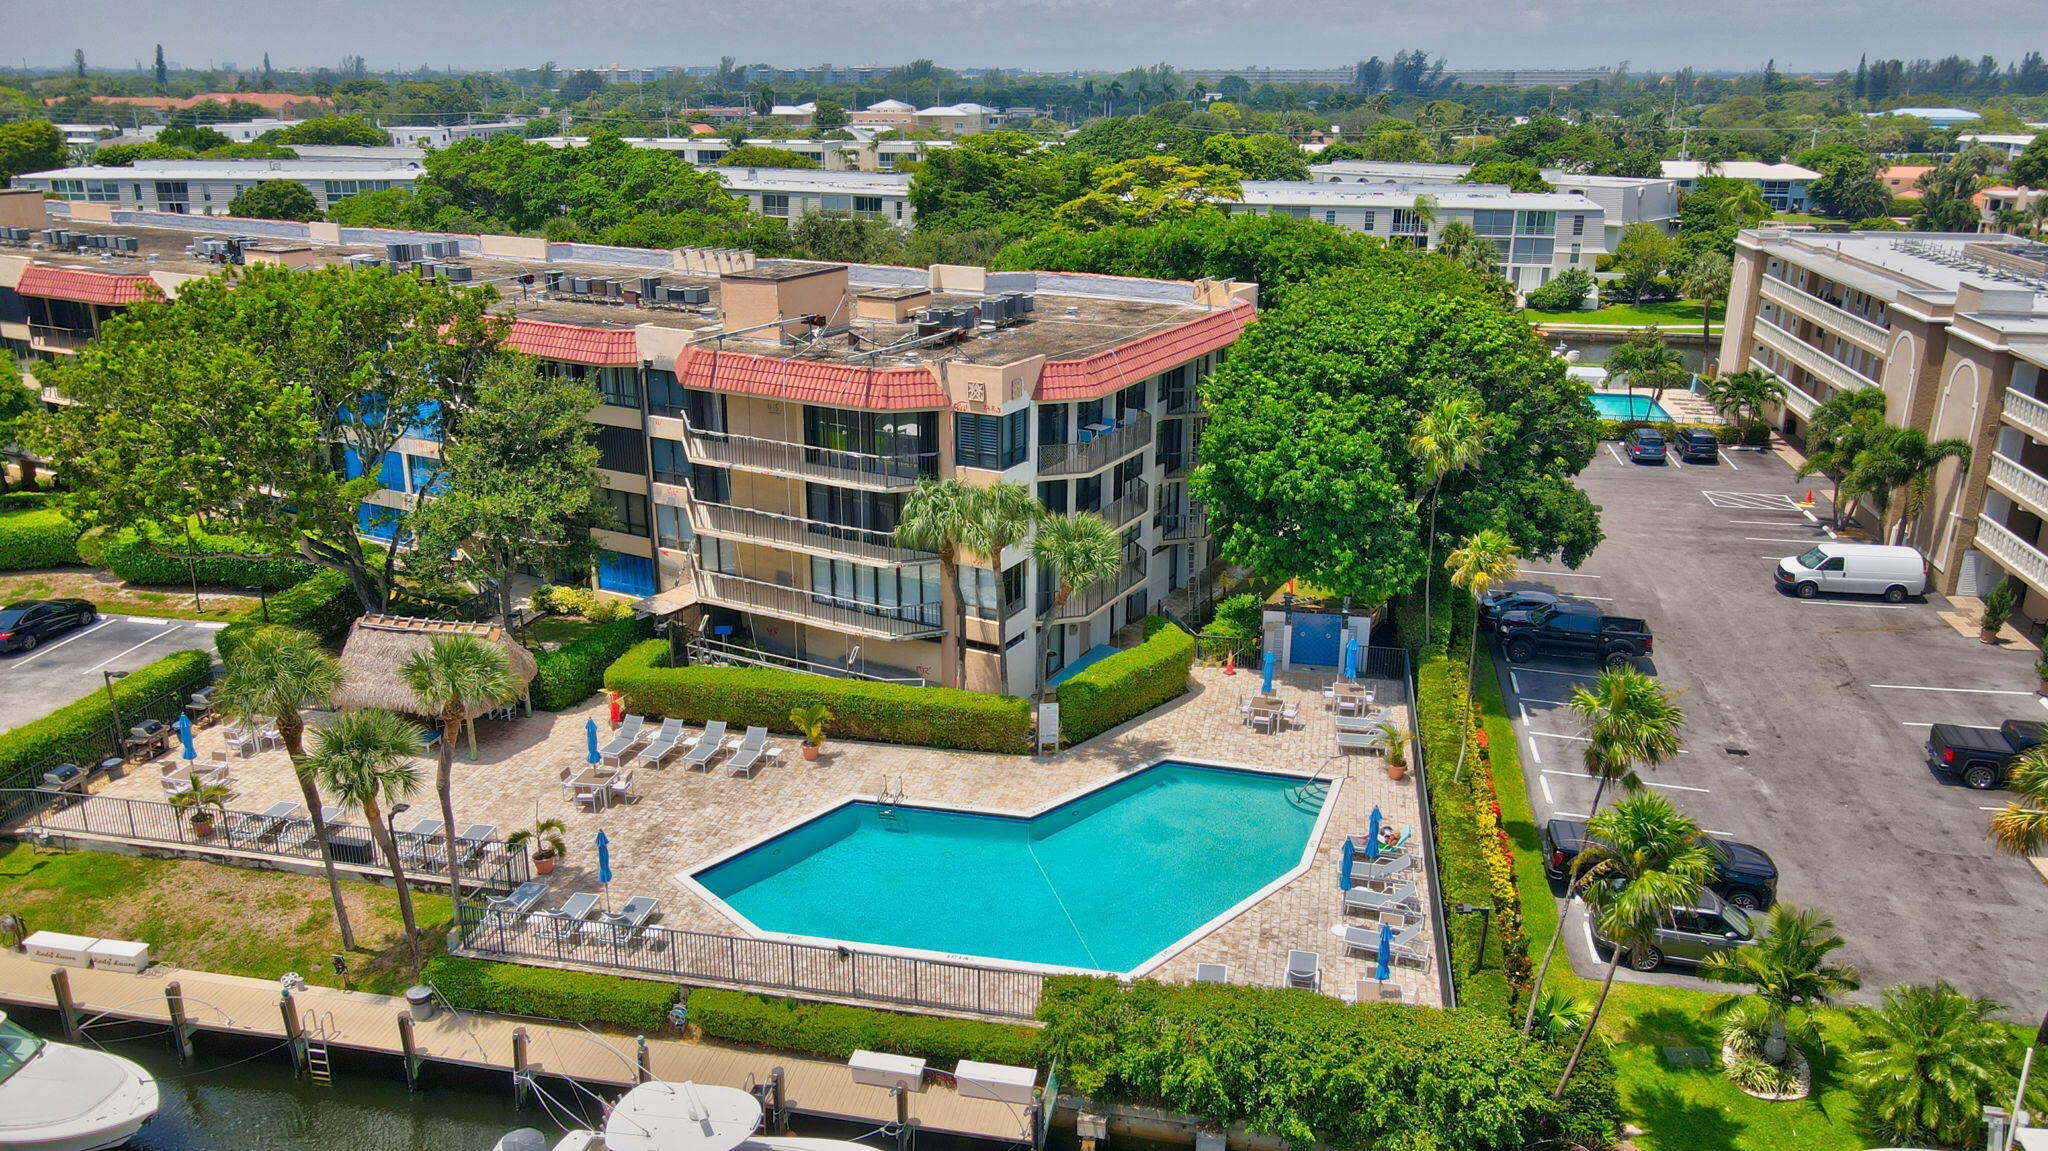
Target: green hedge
{"x":1755,"y":435}
{"x":78,"y":732}
{"x":137,"y":560}
{"x":577,"y":996}
{"x":835,"y":1032}
{"x":1310,"y":1068}
{"x":575,"y":671}
{"x":34,"y":535}
{"x":1127,"y":684}
{"x":324,"y":605}
{"x":883,"y":712}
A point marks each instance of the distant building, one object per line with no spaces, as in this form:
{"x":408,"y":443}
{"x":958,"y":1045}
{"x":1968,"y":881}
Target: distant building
{"x":204,"y":187}
{"x":787,"y":193}
{"x":834,"y":155}
{"x":2010,"y":146}
{"x":1939,"y":117}
{"x":1527,"y":77}
{"x":1903,"y":180}
{"x":1623,"y":200}
{"x":1783,"y":185}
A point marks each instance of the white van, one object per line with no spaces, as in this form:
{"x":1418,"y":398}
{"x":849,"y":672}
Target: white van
{"x":1854,"y":569}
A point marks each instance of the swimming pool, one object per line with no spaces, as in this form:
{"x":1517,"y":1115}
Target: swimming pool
{"x":1621,"y":406}
{"x":1104,"y":881}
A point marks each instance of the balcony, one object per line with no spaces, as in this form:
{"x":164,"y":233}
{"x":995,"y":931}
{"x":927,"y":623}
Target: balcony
{"x":919,"y":621}
{"x":877,"y":473}
{"x":792,"y":533}
{"x":2027,"y":414}
{"x":1093,"y":598}
{"x":1845,"y":323}
{"x":1179,"y":527}
{"x":1134,"y":434}
{"x":2027,"y":487}
{"x":2014,"y":554}
{"x":1811,"y":358}
{"x":44,"y":338}
{"x":1133,"y":503}
{"x":1801,"y":404}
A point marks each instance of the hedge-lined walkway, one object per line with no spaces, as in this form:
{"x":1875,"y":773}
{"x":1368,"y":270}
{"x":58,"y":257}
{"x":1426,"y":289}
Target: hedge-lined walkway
{"x":680,"y":819}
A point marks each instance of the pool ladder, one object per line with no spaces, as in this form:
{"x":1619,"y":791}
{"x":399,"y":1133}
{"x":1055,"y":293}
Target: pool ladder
{"x":316,"y":1027}
{"x":1311,"y":794}
{"x":892,"y":795}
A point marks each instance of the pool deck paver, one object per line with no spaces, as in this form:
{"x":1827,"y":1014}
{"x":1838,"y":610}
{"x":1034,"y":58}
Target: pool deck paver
{"x":679,"y":819}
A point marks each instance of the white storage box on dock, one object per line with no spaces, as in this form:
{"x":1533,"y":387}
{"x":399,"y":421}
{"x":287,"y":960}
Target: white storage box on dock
{"x":995,"y":1081}
{"x":120,"y":955}
{"x":56,"y":947}
{"x":875,"y":1069}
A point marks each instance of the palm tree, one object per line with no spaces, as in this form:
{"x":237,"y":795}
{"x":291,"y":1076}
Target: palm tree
{"x":1787,"y":970}
{"x":1706,"y":279}
{"x":1743,"y":396}
{"x":1645,"y":358}
{"x":1450,"y":437}
{"x":1080,"y":549}
{"x":1001,"y":516}
{"x":1646,"y":859}
{"x":1841,"y":427}
{"x":276,"y":673}
{"x":366,"y":759}
{"x":1744,"y":206}
{"x":1555,"y":1015}
{"x":1483,"y":560}
{"x":456,"y":677}
{"x":938,"y":517}
{"x":1901,"y":458}
{"x":2022,"y":828}
{"x":1113,"y":93}
{"x":1927,"y":1062}
{"x":1465,"y":247}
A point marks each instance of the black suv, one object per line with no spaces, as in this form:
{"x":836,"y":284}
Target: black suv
{"x":25,"y":624}
{"x":1644,"y":445}
{"x":1696,"y":446}
{"x":1747,"y":878}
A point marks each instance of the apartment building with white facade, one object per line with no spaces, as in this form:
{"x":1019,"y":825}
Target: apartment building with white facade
{"x":787,"y":193}
{"x":1954,"y":329}
{"x":1623,"y":200}
{"x":1783,"y":186}
{"x":204,"y":187}
{"x":763,"y":421}
{"x":859,"y":155}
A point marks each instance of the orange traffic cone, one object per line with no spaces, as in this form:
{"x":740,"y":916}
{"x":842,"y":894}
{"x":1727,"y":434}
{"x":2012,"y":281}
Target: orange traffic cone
{"x":1808,"y":501}
{"x":1230,"y":664}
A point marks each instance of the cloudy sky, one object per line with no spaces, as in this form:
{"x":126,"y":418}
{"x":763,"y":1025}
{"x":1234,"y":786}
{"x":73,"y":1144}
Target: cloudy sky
{"x":1200,"y":35}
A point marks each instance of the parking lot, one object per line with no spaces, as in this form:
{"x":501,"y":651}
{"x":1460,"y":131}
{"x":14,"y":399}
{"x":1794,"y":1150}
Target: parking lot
{"x":34,"y":684}
{"x":1806,"y":724}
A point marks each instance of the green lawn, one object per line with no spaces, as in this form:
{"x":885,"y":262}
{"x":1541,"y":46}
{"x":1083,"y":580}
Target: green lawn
{"x":558,"y":629}
{"x":1629,"y":315}
{"x":212,"y":917}
{"x":1679,"y":1109}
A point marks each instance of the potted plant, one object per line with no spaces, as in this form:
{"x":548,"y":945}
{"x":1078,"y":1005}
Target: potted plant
{"x":1999,"y":603}
{"x":811,"y":719}
{"x":205,"y":801}
{"x":545,"y":839}
{"x":2041,"y":670}
{"x":1397,"y":750}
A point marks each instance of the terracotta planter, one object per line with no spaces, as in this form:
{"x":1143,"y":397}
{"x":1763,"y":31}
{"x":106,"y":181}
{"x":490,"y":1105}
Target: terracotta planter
{"x":202,"y":827}
{"x":1397,"y":771}
{"x":543,"y":865}
{"x":1987,"y":635}
{"x":811,"y":751}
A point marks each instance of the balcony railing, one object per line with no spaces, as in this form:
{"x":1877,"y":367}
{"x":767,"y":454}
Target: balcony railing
{"x":2013,"y":553}
{"x":1811,"y":358}
{"x":1101,"y":449}
{"x":916,"y":621}
{"x":795,"y":533}
{"x":1795,"y":398}
{"x":892,"y":473}
{"x":1136,"y":499}
{"x":2027,"y":414}
{"x":1846,"y":323}
{"x":44,"y":338}
{"x":1177,"y":527}
{"x":1093,"y":598}
{"x":2026,"y":486}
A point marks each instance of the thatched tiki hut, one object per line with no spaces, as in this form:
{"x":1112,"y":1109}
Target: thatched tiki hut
{"x":379,"y":645}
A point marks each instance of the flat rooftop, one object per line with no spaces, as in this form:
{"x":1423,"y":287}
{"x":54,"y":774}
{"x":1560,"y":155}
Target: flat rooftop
{"x":1883,"y":264}
{"x":326,"y":168}
{"x":1403,"y":196}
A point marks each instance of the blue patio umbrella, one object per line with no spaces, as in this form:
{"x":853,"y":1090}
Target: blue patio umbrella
{"x":1385,"y":966}
{"x":1267,"y":687}
{"x":1351,"y":658}
{"x":1344,"y":868}
{"x":590,"y":739}
{"x":1372,"y":834}
{"x":185,"y":748}
{"x":604,"y":866}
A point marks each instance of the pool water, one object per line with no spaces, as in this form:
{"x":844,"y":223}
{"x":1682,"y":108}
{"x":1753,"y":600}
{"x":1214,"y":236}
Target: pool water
{"x":1613,"y":406}
{"x":1103,"y":882}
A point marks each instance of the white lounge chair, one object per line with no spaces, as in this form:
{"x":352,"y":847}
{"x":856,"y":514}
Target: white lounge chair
{"x":662,"y":745}
{"x":708,"y":745}
{"x":624,"y":740}
{"x":1410,"y":945}
{"x":1304,"y":969}
{"x":505,"y":910}
{"x":1380,"y":870}
{"x":746,"y":758}
{"x":562,"y":924}
{"x":624,"y":927}
{"x":1399,"y":898}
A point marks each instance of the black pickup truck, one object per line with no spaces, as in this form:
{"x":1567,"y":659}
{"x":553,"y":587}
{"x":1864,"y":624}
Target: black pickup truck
{"x":1744,"y":875}
{"x":1573,"y":630}
{"x":1980,"y":756}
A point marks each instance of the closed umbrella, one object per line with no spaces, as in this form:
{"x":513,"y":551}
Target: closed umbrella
{"x":185,"y":748}
{"x":1372,"y":834}
{"x":1351,"y":658}
{"x":1344,"y":868}
{"x":1267,"y":687}
{"x":590,"y":739}
{"x":1385,"y":966}
{"x":604,"y":866}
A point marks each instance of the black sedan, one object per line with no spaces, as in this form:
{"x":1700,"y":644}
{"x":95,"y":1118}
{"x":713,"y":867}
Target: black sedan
{"x":25,"y":624}
{"x":1495,"y":604}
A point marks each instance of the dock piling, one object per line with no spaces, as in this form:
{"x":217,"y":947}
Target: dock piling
{"x":181,"y":1031}
{"x":643,"y":1063}
{"x":409,"y":1048}
{"x":293,"y":1036}
{"x":67,"y":1008}
{"x":778,"y":1105}
{"x":521,"y":1085}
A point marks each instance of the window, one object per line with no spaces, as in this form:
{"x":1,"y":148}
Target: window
{"x":1053,"y":494}
{"x":993,"y":442}
{"x":1578,"y":225}
{"x":1329,"y":215}
{"x":627,"y":575}
{"x":1052,"y":424}
{"x":68,"y":189}
{"x":428,"y":476}
{"x":774,"y":204}
{"x":671,"y":466}
{"x":852,"y":508}
{"x":910,"y":592}
{"x":621,"y":449}
{"x":1535,"y":223}
{"x":619,"y":386}
{"x":1575,"y":254}
{"x":1407,"y":222}
{"x":1529,"y":251}
{"x":717,"y":555}
{"x":898,"y":443}
{"x":1493,"y":222}
{"x":1367,"y":225}
{"x":886,"y":160}
{"x":867,"y":205}
{"x":671,"y":527}
{"x":629,"y":512}
{"x":666,"y":397}
{"x":1173,"y":444}
{"x":988,"y":596}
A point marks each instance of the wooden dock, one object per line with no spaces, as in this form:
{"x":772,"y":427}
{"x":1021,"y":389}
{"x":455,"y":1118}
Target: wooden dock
{"x":359,"y":1021}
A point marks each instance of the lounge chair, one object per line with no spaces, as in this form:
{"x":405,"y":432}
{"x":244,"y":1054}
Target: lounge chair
{"x":1363,"y":939}
{"x":505,"y":910}
{"x":1398,"y":898}
{"x":1211,"y":973}
{"x":562,"y":924}
{"x":1380,"y":870}
{"x":1304,"y":969}
{"x":624,"y":740}
{"x":624,"y":927}
{"x":708,"y":745}
{"x":746,"y":758}
{"x":662,"y":745}
{"x":1410,"y":945}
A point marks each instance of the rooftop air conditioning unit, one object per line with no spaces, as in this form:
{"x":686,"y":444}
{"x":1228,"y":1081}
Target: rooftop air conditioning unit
{"x":650,"y":287}
{"x":129,"y":243}
{"x":615,"y":289}
{"x":579,"y":285}
{"x":458,"y":273}
{"x":690,"y":294}
{"x":555,"y":281}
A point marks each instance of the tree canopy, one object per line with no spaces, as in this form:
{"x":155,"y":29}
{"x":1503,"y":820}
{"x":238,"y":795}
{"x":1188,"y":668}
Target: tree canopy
{"x":762,"y":156}
{"x":1149,"y":190}
{"x":275,"y":200}
{"x":30,"y":146}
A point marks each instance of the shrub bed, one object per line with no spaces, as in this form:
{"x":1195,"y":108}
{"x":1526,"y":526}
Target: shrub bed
{"x":1755,"y":435}
{"x":324,"y":605}
{"x":832,"y":1031}
{"x":883,"y":712}
{"x":1127,"y":684}
{"x":135,"y":559}
{"x":1310,"y":1068}
{"x":575,"y":671}
{"x":577,"y":996}
{"x":35,"y":535}
{"x":78,"y":732}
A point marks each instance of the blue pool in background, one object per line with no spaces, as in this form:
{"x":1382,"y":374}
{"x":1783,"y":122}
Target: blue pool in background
{"x":1622,"y":406}
{"x":1104,"y":881}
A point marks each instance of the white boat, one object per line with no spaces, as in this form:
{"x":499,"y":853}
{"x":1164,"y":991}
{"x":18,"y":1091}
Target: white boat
{"x":56,"y":1097}
{"x":679,"y":1117}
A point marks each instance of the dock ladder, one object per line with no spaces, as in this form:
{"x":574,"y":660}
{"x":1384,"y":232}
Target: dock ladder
{"x":318,"y":1068}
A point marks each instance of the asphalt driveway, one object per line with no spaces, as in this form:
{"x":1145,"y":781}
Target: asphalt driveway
{"x":34,"y":684}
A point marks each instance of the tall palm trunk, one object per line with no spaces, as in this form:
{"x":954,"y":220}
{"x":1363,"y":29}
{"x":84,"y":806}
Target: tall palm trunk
{"x":1586,"y":1035}
{"x":293,"y":731}
{"x":954,"y":605}
{"x":444,"y":770}
{"x":381,"y":833}
{"x":1543,"y":969}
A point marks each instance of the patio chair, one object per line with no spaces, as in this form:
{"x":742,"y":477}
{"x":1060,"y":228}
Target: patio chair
{"x":1211,"y":973}
{"x":746,"y":758}
{"x":624,"y":740}
{"x":243,"y":740}
{"x":662,"y":745}
{"x":1291,"y":715}
{"x":1361,"y":939}
{"x":624,"y":927}
{"x":1304,"y":969}
{"x":1380,"y":870}
{"x":1398,"y":898}
{"x":708,"y":745}
{"x":620,"y":789}
{"x":1411,"y":946}
{"x":505,"y":910}
{"x":562,"y":924}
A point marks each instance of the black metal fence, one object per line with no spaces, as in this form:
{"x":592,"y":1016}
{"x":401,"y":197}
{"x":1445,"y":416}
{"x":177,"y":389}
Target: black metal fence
{"x":765,"y":963}
{"x":18,"y":787}
{"x":484,"y":863}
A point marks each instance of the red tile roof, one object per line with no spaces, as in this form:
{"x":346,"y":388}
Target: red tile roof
{"x":811,"y":382}
{"x":603,"y":347}
{"x":1119,"y":367}
{"x":83,"y":286}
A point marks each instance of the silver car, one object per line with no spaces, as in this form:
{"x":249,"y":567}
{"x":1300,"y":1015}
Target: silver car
{"x":1690,"y":934}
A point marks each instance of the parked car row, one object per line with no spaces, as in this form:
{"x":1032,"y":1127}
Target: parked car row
{"x":1717,"y":920}
{"x":26,"y":624}
{"x":1691,"y":445}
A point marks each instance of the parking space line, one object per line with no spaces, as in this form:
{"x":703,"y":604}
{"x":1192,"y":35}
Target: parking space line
{"x":1616,"y":453}
{"x":1515,"y":682}
{"x":1722,"y":834}
{"x":43,"y":651}
{"x":1648,"y":783}
{"x":118,"y":655}
{"x":155,"y":620}
{"x":1950,"y":690}
{"x":1673,"y":460}
{"x":1766,"y":523}
{"x":1726,"y":459}
{"x":1775,"y":540}
{"x":1583,"y":739}
{"x":1560,"y":575}
{"x":1544,"y":782}
{"x":1546,"y":702}
{"x":1905,"y":724}
{"x":1535,"y":756}
{"x":1981,"y":807}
